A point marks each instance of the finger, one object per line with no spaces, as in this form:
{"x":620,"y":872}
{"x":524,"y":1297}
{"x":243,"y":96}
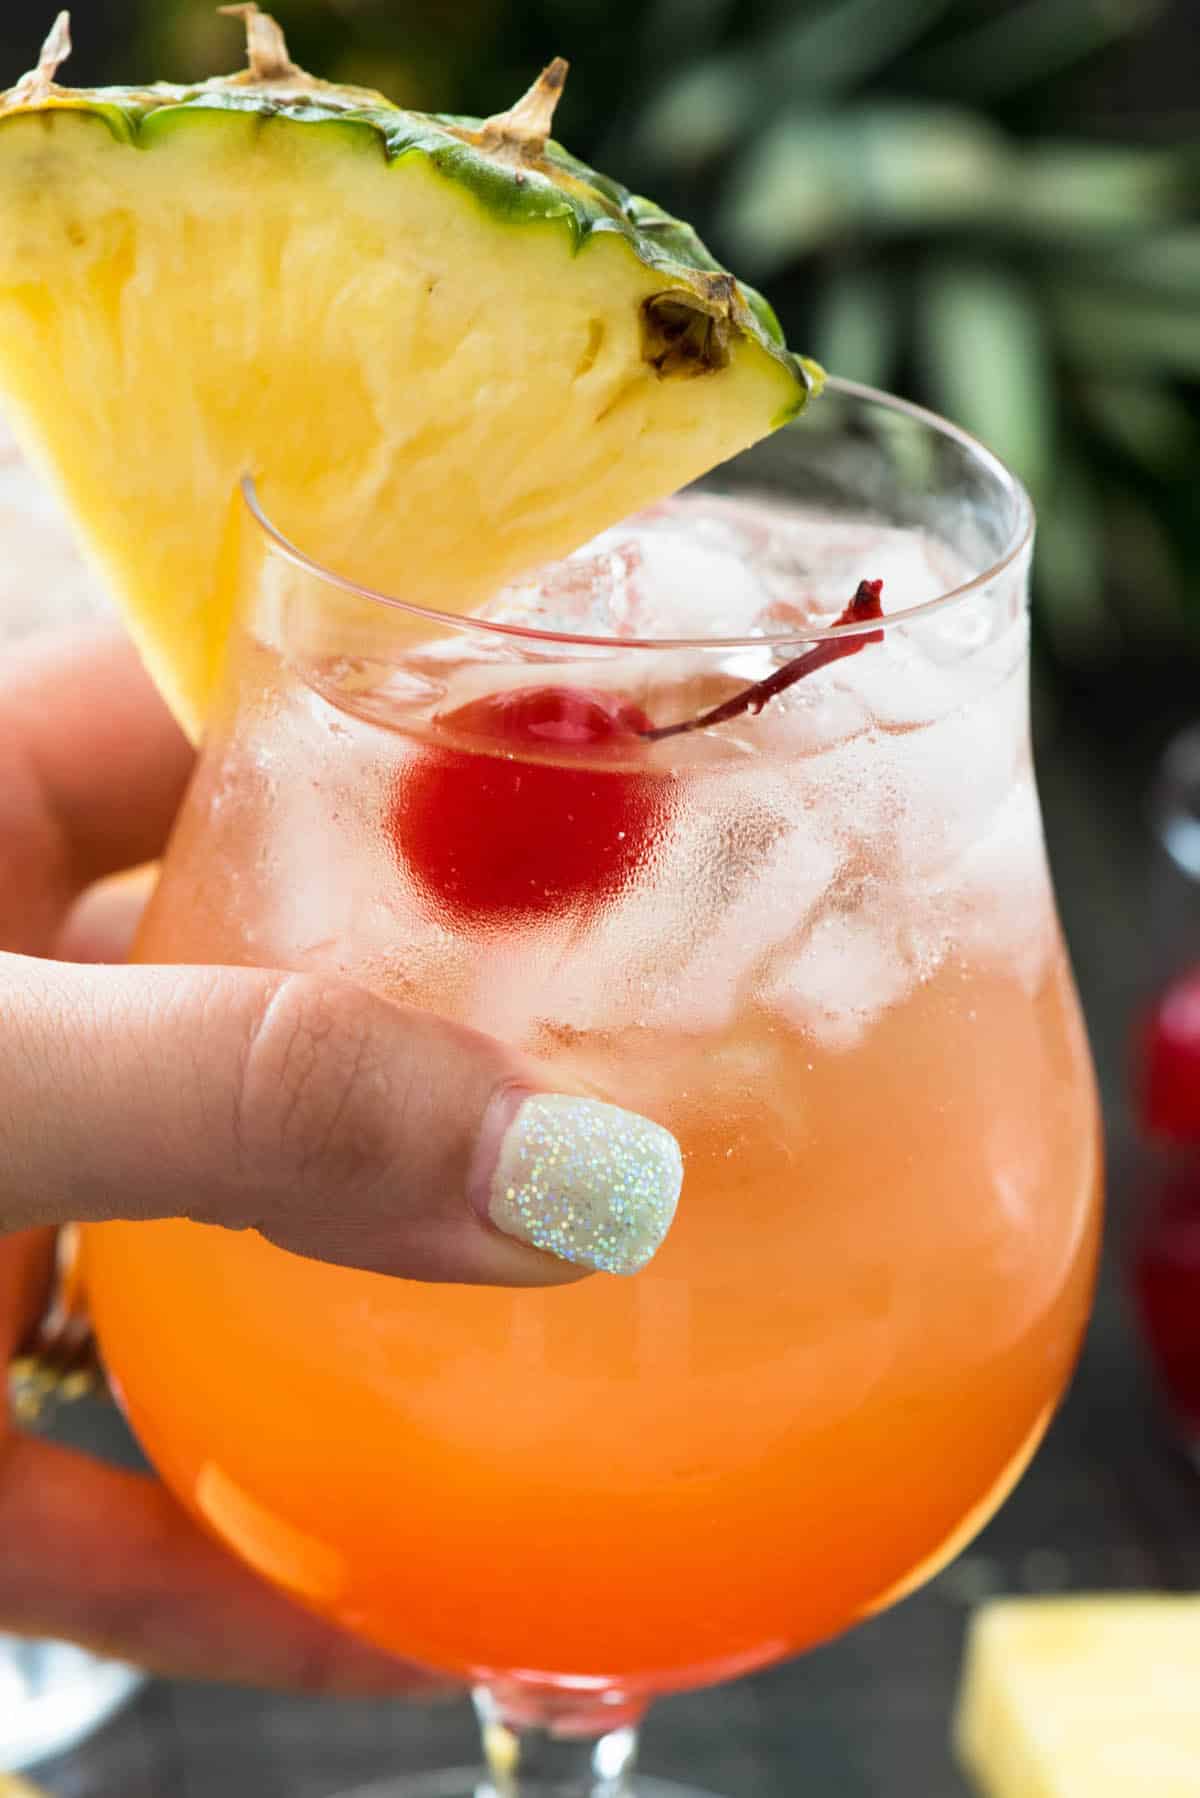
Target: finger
{"x":26,"y":1268}
{"x":340,"y":1125}
{"x":94,"y":1555}
{"x":94,"y":768}
{"x":103,"y":922}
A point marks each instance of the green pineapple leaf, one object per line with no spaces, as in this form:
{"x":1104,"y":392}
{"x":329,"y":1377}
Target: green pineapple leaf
{"x":986,"y":360}
{"x":1126,"y":331}
{"x":1072,"y":568}
{"x":1147,"y":422}
{"x":1079,"y":192}
{"x":701,"y":112}
{"x":874,"y":170}
{"x":858,"y":322}
{"x":1031,"y":43}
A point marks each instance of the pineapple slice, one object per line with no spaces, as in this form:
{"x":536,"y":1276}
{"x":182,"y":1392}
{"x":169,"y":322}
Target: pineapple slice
{"x":1083,"y":1698}
{"x":448,"y":350}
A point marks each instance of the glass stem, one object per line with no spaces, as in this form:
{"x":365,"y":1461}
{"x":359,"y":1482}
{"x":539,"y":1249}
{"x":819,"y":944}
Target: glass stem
{"x":532,"y":1751}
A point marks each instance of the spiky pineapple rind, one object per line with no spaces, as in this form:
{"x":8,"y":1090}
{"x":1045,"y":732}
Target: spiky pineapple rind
{"x":551,"y":187}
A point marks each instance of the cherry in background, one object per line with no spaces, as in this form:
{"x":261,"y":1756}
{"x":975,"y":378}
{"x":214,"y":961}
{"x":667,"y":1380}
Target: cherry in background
{"x":1170,"y":1065}
{"x":493,"y":835}
{"x":1165,"y":1267}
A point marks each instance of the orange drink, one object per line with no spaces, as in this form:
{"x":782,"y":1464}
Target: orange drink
{"x":816,"y":940}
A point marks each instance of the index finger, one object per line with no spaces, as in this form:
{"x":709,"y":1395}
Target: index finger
{"x":94,"y":767}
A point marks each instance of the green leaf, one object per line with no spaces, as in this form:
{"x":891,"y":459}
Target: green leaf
{"x":815,"y":178}
{"x":704,"y":109}
{"x":1147,"y":423}
{"x":793,"y":191}
{"x":1070,"y":571}
{"x":1031,"y":43}
{"x":697,"y":115}
{"x":1147,"y":568}
{"x":983,"y":347}
{"x":691,"y":24}
{"x":843,"y":43}
{"x":857,"y":325}
{"x":1121,"y":332}
{"x":1168,"y":263}
{"x":1069,"y":190}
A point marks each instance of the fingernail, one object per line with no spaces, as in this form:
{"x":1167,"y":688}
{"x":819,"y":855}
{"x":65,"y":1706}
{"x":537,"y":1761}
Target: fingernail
{"x":588,"y":1182}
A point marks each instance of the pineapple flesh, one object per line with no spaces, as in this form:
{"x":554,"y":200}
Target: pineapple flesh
{"x":1095,"y":1697}
{"x":447,"y":350}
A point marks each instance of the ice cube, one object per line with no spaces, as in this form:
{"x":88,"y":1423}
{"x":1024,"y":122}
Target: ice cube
{"x":588,"y":593}
{"x":947,"y":779}
{"x":745,"y":868}
{"x":692,"y":586}
{"x":716,"y":565}
{"x":680,"y":569}
{"x":777,"y":893}
{"x":808,"y":718}
{"x":899,"y":686}
{"x":910,"y":678}
{"x":682,"y":948}
{"x":998,"y":899}
{"x":851,"y":966}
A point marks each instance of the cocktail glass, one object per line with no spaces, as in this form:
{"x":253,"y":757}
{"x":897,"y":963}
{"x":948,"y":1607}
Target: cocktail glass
{"x":818,"y":941}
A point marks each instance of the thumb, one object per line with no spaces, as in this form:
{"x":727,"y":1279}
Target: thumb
{"x":338,"y":1124}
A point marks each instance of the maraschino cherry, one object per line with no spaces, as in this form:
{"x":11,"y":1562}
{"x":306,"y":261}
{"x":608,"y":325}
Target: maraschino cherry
{"x":512,"y":817}
{"x":1170,"y":1070}
{"x":1165,"y":1262}
{"x":493,"y":834}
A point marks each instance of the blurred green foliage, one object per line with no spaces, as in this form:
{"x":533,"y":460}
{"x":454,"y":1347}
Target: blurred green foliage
{"x":925,"y":196}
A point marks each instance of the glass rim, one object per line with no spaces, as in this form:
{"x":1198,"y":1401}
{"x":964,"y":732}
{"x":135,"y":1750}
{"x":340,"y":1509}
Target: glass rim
{"x":1019,"y":537}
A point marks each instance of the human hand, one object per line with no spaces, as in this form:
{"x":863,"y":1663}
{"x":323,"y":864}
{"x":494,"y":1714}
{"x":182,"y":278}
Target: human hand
{"x":338,"y":1124}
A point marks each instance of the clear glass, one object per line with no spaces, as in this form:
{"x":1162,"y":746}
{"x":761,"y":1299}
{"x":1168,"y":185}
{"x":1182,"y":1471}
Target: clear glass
{"x":1175,"y":802}
{"x":52,"y":1696}
{"x":825,"y":954}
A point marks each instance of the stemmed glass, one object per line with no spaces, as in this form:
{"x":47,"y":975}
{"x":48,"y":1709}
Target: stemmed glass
{"x":824,"y":952}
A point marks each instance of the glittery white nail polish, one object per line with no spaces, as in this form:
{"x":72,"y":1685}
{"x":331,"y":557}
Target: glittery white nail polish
{"x":586,"y":1181}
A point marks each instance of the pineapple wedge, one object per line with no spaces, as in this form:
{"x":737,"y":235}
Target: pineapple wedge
{"x":1083,"y":1698}
{"x":448,"y":350}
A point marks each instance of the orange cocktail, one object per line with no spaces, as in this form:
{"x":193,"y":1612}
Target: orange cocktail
{"x":824,"y":953}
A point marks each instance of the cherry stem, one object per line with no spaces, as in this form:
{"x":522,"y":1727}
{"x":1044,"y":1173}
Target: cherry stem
{"x":863,"y":607}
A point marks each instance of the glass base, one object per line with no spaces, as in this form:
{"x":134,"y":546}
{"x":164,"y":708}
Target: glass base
{"x":52,"y":1696}
{"x":470,"y":1782}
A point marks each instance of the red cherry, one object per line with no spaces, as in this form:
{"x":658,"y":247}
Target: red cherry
{"x":560,"y":717}
{"x":1165,"y":1274}
{"x":1170,"y":1071}
{"x":494,"y":833}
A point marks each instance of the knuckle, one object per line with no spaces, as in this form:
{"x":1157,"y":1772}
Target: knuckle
{"x":315,"y":1087}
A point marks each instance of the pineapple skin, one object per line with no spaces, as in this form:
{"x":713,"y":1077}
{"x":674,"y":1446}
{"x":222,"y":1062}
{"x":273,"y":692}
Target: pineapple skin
{"x":448,"y":356}
{"x":554,"y":187}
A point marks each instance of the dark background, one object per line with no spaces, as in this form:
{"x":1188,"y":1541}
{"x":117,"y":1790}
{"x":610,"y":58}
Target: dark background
{"x":991,"y":207}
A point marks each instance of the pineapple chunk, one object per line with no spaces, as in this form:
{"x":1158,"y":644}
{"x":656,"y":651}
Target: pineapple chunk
{"x":1083,"y":1698}
{"x":449,"y":351}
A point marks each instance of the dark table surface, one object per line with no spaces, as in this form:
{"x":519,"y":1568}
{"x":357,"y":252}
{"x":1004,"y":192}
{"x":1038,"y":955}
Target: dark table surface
{"x":1108,"y":1503}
